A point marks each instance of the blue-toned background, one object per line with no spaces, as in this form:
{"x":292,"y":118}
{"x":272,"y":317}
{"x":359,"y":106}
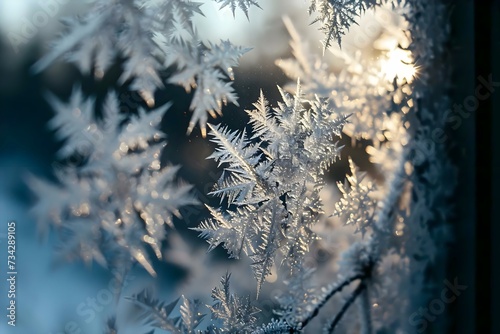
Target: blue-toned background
{"x":55,"y":296}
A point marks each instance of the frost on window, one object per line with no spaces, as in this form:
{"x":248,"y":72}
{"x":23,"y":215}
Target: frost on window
{"x":277,"y":215}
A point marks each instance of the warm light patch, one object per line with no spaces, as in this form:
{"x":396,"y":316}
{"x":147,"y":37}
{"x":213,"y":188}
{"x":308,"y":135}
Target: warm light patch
{"x":273,"y":275}
{"x":398,"y":63}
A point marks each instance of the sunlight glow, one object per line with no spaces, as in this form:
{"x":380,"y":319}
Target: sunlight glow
{"x":398,"y":63}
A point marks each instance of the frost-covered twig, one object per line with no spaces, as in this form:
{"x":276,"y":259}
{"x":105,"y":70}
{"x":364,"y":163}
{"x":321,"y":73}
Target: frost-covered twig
{"x":332,"y":290}
{"x":365,"y":312}
{"x":384,"y":222}
{"x":275,"y":327}
{"x":331,"y":327}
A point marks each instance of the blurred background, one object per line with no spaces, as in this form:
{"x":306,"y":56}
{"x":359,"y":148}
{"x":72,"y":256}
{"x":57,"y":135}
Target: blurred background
{"x":56,"y":297}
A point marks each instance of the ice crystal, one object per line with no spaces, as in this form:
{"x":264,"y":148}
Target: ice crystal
{"x":336,"y":16}
{"x":236,"y":313}
{"x":361,"y":88}
{"x":119,"y":198}
{"x":243,"y":5}
{"x":229,"y":313}
{"x":150,"y":35}
{"x":356,"y":207}
{"x":273,"y":177}
{"x":274,"y":327}
{"x":159,"y":314}
{"x":204,"y":67}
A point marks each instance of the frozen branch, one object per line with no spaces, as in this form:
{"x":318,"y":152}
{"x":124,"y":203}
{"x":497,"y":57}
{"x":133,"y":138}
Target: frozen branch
{"x":332,"y":291}
{"x":361,"y":287}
